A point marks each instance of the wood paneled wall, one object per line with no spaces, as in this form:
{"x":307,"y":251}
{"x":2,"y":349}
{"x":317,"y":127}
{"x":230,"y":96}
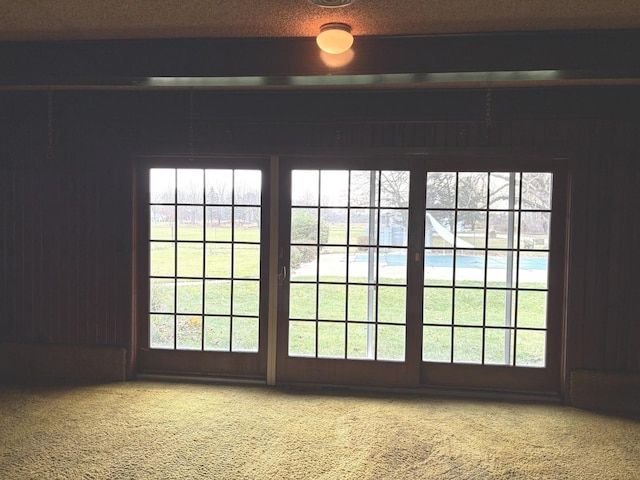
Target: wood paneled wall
{"x":66,"y":222}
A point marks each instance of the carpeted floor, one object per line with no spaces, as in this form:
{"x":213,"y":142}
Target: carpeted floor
{"x":149,"y":430}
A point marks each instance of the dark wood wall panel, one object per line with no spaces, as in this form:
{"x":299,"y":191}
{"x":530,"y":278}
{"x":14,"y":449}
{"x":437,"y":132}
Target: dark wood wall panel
{"x":65,"y":252}
{"x":605,"y":218}
{"x":65,"y":238}
{"x":596,"y":237}
{"x":579,"y":142}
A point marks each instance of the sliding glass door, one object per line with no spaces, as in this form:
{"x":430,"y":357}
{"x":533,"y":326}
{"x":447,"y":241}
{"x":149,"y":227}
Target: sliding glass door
{"x":204,"y":264}
{"x":490,"y":304}
{"x":406,"y":274}
{"x":395,"y":271}
{"x":345,"y":301}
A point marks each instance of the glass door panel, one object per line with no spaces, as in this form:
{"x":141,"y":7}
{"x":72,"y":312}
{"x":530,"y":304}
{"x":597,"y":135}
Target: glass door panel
{"x":391,"y":273}
{"x":347,"y":278}
{"x":487,"y":275}
{"x":205,"y":266}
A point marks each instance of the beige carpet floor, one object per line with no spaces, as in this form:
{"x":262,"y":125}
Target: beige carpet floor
{"x":149,"y":430}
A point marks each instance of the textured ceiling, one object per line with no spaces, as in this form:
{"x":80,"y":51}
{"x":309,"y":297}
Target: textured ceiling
{"x":120,"y":19}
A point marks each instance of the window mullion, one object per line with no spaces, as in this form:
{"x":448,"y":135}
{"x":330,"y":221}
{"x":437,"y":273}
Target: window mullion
{"x":510,"y":262}
{"x":415,"y":264}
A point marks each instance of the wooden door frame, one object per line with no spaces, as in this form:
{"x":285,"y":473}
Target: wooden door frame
{"x":378,"y":373}
{"x":385,"y":374}
{"x":547,"y":380}
{"x":185,"y":362}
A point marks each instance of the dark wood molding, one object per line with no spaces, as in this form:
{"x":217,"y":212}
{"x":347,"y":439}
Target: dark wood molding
{"x":599,"y":56}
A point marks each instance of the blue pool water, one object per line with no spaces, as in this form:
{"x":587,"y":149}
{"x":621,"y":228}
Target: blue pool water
{"x":462,"y":261}
{"x":469,"y":261}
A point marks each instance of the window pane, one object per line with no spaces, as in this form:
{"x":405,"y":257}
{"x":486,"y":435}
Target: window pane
{"x":363,"y":227}
{"x":247,"y":224}
{"x":501,"y":307}
{"x":218,"y":297}
{"x":363,"y":265}
{"x":532,"y":309}
{"x":472,"y":189}
{"x":246,"y":261}
{"x":304,"y":187}
{"x":501,"y":196}
{"x":441,"y":190}
{"x":469,"y":306}
{"x":190,"y":223}
{"x":163,"y":222}
{"x":438,"y":305}
{"x":502,"y":269}
{"x":245,"y":335}
{"x":393,"y":266}
{"x":498,"y":346}
{"x":334,"y":187}
{"x":467,"y":345}
{"x":335,"y":220}
{"x":302,"y":300}
{"x":162,"y":259}
{"x":246,"y":295}
{"x":190,"y":185}
{"x":364,"y":188}
{"x":331,"y":340}
{"x":436,"y":344}
{"x":219,"y":186}
{"x":503,"y":229}
{"x":470,"y":268}
{"x":333,"y":265}
{"x":502,"y":243}
{"x":357,"y":340}
{"x":162,"y":291}
{"x":394,"y":189}
{"x":302,"y":339}
{"x":534,"y":230}
{"x":247,"y":187}
{"x":217,"y":333}
{"x":189,"y":296}
{"x":472,"y":228}
{"x":189,"y":332}
{"x":393,"y":228}
{"x":304,"y":226}
{"x":362,"y":302}
{"x":219,"y":224}
{"x":218,"y":260}
{"x":533,"y":271}
{"x":162,"y":185}
{"x":161,"y":330}
{"x":217,"y":278}
{"x":530,"y":348}
{"x":392,"y":304}
{"x":304,"y":263}
{"x":190,"y":259}
{"x":536,"y":191}
{"x":440,"y":227}
{"x":391,"y":342}
{"x":438,"y":267}
{"x":331,"y":302}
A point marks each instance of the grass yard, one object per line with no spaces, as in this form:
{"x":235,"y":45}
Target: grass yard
{"x":332,"y":318}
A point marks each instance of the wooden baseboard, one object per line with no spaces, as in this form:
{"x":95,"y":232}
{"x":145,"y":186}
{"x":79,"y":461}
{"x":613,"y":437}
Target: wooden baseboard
{"x":33,"y":362}
{"x":605,"y":391}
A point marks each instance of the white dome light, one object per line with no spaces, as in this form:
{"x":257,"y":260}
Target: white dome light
{"x":335,"y":38}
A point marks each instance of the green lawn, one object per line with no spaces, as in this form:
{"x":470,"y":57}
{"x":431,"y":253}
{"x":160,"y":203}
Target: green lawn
{"x":342,"y":309}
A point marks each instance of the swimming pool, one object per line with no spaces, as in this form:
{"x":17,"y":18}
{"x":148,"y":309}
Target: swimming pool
{"x":462,"y":261}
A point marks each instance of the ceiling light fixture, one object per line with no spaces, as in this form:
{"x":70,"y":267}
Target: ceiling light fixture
{"x":331,"y":3}
{"x":335,"y":38}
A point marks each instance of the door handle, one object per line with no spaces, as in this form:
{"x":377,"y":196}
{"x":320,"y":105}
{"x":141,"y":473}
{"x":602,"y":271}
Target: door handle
{"x":282,"y":274}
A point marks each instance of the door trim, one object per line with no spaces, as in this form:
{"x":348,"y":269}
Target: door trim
{"x":190,"y":362}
